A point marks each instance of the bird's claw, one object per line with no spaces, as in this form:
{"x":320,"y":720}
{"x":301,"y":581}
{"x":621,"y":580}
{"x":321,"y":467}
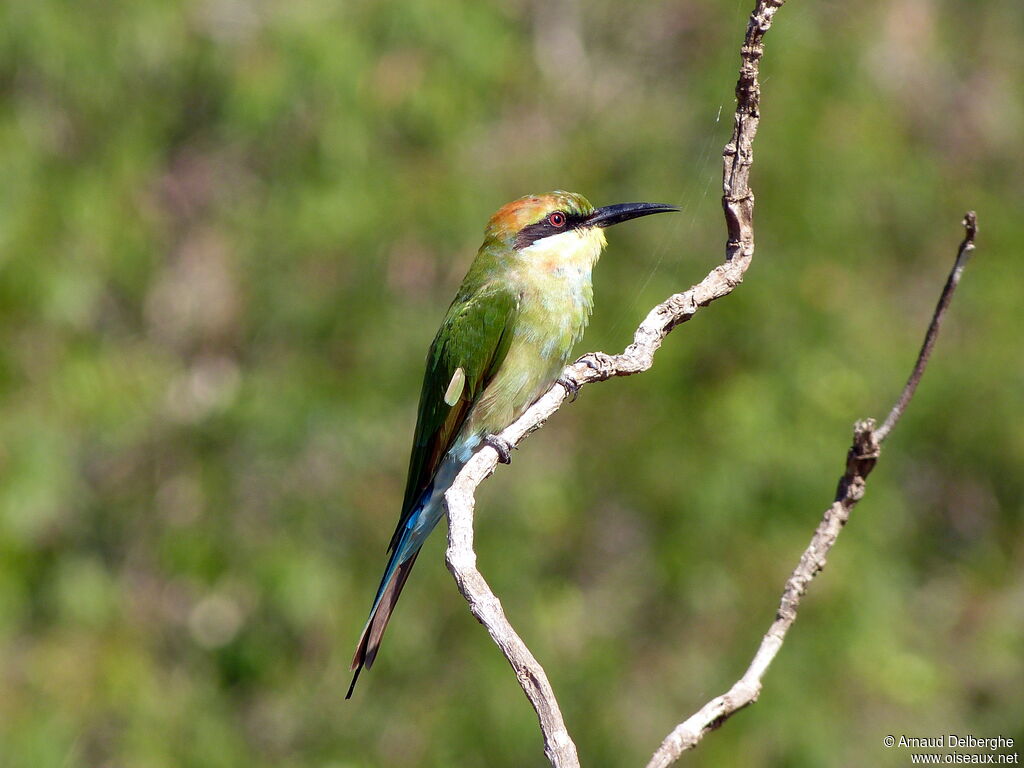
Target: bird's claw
{"x":572,"y":388}
{"x":501,"y":446}
{"x":600,"y":363}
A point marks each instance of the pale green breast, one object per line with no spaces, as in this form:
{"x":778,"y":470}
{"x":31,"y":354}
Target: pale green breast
{"x":556,"y":299}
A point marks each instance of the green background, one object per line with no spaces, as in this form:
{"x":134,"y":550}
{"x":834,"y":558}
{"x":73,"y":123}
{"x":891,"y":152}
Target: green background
{"x":228,"y":230}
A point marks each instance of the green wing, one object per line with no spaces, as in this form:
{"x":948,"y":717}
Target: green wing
{"x":474,"y":337}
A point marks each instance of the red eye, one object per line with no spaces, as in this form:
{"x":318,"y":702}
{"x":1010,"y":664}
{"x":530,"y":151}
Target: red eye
{"x":557,"y":219}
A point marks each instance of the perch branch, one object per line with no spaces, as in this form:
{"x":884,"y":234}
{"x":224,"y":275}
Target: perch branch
{"x":738,"y":206}
{"x":860,"y":460}
{"x":461,"y":559}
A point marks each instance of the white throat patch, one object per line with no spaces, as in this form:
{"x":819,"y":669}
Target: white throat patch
{"x":577,"y":249}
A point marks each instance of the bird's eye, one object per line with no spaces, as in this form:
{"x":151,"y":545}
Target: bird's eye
{"x":557,"y":219}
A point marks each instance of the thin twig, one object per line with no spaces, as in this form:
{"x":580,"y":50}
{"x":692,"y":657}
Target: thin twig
{"x":738,"y":206}
{"x":970,"y":224}
{"x":860,"y":460}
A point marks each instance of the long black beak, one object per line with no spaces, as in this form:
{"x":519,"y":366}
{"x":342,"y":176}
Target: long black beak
{"x":615,"y":214}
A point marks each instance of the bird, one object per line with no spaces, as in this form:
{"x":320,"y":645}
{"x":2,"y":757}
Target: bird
{"x":507,"y":336}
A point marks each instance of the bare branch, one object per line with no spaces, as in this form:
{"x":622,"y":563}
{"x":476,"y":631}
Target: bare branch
{"x":860,"y":460}
{"x":461,"y":559}
{"x":685,"y":736}
{"x":738,"y":205}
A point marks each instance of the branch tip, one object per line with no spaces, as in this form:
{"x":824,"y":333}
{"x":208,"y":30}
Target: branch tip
{"x":970,"y":224}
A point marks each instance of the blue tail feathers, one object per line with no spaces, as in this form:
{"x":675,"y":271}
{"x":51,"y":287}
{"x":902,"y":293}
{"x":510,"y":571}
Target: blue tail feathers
{"x":403,"y":557}
{"x":405,"y":546}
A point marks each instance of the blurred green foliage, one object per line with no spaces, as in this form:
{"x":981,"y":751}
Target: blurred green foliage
{"x":228,"y":230}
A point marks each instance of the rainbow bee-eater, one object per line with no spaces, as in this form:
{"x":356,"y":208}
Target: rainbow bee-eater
{"x":507,"y":336}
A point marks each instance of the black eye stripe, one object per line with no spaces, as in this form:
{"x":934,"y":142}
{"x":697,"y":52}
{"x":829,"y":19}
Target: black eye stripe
{"x":530,"y":234}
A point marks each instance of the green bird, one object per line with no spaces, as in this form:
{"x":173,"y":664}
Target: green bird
{"x":508,"y":334}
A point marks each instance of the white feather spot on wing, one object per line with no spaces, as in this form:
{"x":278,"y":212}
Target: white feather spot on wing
{"x":455,"y":386}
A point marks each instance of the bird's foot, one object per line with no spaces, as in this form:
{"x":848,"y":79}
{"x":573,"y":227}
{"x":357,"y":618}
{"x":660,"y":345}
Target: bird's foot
{"x":501,"y":446}
{"x":600,"y":363}
{"x":572,"y":389}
